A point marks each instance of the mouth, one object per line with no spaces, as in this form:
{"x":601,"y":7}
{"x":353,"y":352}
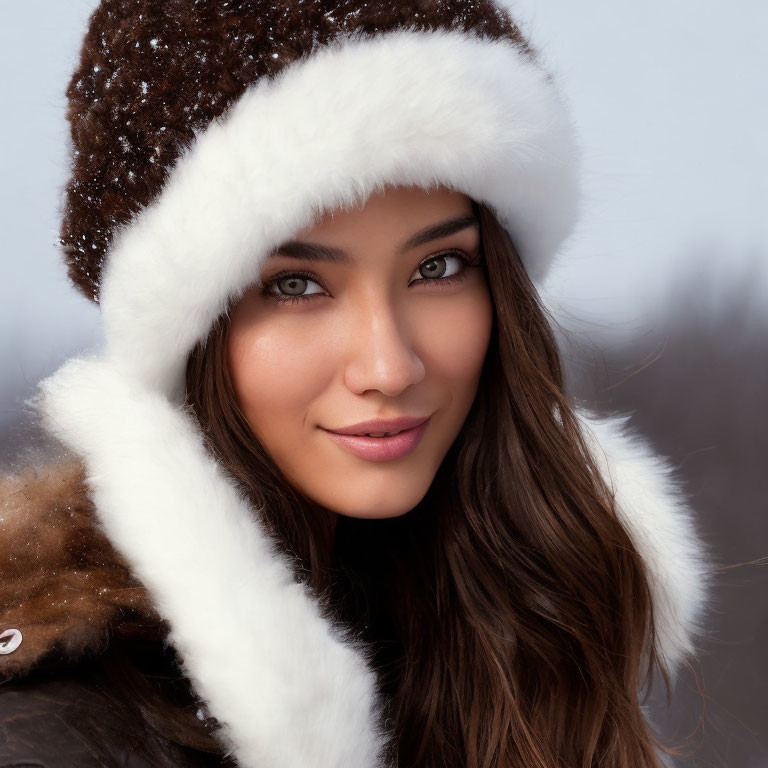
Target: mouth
{"x":381,"y":427}
{"x":375,"y":434}
{"x":381,"y":446}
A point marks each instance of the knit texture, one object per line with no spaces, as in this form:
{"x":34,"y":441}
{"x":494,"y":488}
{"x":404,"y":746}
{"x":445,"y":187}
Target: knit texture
{"x":154,"y":73}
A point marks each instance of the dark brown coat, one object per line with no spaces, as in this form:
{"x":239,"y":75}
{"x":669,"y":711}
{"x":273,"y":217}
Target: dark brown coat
{"x":84,"y":620}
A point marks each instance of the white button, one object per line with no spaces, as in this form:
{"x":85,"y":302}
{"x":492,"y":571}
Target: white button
{"x":10,"y":640}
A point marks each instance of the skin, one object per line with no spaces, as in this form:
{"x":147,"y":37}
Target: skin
{"x":384,"y":335}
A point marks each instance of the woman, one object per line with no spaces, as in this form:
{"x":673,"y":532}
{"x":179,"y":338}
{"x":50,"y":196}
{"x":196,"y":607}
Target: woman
{"x":302,"y":221}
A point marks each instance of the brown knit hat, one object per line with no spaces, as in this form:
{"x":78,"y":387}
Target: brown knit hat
{"x":153,"y":73}
{"x":206,"y":132}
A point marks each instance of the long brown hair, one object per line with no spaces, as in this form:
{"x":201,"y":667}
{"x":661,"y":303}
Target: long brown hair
{"x":510,"y":613}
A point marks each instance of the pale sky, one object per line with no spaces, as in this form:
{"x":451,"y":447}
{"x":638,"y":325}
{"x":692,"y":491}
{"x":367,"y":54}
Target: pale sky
{"x":670,"y":101}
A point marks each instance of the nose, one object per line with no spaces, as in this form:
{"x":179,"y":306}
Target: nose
{"x":381,"y":354}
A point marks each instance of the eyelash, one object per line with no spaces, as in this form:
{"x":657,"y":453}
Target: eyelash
{"x":441,"y":281}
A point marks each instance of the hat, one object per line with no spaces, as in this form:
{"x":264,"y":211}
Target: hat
{"x":205,"y":133}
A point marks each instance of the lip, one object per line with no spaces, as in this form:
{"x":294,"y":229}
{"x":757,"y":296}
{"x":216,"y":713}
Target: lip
{"x":381,"y":425}
{"x":381,"y":448}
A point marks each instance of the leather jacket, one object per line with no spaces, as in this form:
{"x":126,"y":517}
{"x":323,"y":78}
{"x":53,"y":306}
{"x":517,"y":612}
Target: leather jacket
{"x":84,"y":620}
{"x":51,"y":723}
{"x":65,"y":716}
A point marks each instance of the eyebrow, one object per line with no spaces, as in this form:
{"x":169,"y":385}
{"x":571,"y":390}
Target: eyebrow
{"x":315,"y":252}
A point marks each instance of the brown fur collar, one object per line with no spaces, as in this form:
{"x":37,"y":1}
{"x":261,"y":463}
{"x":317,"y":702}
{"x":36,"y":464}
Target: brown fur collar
{"x":62,"y":584}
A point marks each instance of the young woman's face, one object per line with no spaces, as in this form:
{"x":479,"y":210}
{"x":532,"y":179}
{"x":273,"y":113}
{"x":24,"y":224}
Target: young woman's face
{"x":373,"y":313}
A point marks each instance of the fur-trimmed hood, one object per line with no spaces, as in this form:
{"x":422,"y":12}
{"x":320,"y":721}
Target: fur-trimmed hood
{"x":68,"y":590}
{"x":67,"y":586}
{"x":63,"y":585}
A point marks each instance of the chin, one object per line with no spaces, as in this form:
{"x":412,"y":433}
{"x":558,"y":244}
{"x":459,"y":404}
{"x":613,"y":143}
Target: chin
{"x":378,"y":505}
{"x":369,"y":494}
{"x":374,"y":514}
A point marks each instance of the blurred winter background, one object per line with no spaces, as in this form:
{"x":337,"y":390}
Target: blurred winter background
{"x":663,"y":289}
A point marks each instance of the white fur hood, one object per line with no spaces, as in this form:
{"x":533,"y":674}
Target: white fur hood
{"x":319,"y":704}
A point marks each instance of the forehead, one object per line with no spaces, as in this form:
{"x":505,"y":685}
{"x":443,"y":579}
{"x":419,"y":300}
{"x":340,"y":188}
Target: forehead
{"x":399,"y":218}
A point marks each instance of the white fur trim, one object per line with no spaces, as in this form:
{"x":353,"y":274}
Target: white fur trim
{"x":288,"y":689}
{"x":405,"y":107}
{"x":655,"y":511}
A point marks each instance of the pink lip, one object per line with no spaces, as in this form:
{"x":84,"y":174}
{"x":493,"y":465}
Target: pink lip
{"x":381,"y":448}
{"x":381,"y":425}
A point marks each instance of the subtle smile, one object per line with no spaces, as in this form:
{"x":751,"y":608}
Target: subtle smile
{"x":383,"y":447}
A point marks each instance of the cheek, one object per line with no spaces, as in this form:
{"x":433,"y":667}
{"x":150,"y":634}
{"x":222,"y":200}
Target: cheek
{"x":276,"y":372}
{"x":454,"y":336}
